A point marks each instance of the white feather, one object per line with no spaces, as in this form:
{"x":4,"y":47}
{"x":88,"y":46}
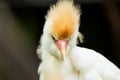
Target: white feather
{"x":79,"y":63}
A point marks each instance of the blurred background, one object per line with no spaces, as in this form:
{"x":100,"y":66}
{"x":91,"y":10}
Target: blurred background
{"x":21,"y":24}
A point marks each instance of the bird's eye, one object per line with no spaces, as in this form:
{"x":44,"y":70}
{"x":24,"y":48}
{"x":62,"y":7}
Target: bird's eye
{"x":69,"y":39}
{"x":53,"y":38}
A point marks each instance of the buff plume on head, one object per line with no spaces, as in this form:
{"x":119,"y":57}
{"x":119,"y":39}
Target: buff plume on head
{"x":65,"y":19}
{"x":62,"y":23}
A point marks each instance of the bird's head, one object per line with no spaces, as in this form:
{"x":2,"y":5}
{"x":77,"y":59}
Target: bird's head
{"x":61,"y":28}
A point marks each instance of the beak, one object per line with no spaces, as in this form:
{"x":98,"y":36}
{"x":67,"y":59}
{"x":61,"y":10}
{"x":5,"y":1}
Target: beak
{"x":61,"y":44}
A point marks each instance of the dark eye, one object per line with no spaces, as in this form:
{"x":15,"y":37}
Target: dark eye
{"x":53,"y":38}
{"x":69,"y":40}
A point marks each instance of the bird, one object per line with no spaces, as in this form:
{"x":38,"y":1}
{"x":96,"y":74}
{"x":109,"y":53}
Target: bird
{"x":61,"y":58}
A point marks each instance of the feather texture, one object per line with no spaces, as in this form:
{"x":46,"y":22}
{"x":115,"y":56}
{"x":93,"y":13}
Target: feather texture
{"x":65,"y":19}
{"x":62,"y":22}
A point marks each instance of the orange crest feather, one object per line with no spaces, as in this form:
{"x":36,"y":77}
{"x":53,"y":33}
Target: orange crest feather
{"x":65,"y":19}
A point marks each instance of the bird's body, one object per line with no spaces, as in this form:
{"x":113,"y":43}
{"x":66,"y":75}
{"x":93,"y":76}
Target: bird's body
{"x":61,"y":58}
{"x":80,"y":64}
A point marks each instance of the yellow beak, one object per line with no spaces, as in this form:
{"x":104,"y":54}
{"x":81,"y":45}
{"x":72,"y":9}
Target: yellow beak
{"x":63,"y":52}
{"x":61,"y":44}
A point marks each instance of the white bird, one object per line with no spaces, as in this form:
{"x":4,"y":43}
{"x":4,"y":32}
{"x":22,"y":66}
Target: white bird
{"x":61,"y":58}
